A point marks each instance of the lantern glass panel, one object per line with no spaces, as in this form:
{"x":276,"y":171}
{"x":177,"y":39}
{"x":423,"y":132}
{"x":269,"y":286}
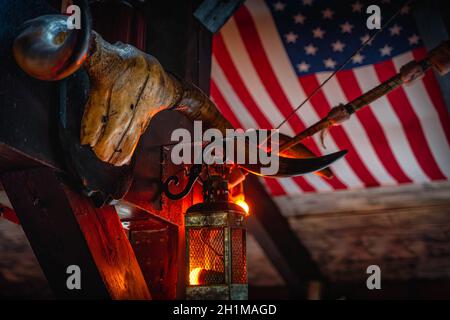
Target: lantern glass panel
{"x":238,"y":256}
{"x":206,"y":256}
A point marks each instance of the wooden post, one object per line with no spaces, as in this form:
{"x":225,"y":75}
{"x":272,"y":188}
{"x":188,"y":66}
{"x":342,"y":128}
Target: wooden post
{"x":65,"y":229}
{"x":275,"y":236}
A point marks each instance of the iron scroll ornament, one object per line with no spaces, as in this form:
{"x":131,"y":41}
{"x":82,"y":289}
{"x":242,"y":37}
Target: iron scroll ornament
{"x":194,"y":174}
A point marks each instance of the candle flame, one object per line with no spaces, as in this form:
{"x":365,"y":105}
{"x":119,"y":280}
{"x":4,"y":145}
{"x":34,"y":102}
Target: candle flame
{"x":243,"y":205}
{"x":194,"y":276}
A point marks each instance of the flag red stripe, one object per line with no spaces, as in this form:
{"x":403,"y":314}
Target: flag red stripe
{"x":375,"y":133}
{"x":252,"y":42}
{"x":276,"y":189}
{"x":410,"y":123}
{"x":223,"y":105}
{"x":303,"y":184}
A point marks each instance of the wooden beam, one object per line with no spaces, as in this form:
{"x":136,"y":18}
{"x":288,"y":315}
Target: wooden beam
{"x":183,"y":46}
{"x":403,"y":229}
{"x":366,"y":201}
{"x":213,"y":14}
{"x":273,"y":233}
{"x":64,"y":228}
{"x":28,"y":107}
{"x":180,"y":42}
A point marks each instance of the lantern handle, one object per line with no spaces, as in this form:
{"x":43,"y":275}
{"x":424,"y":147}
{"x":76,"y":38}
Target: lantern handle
{"x":194,"y":173}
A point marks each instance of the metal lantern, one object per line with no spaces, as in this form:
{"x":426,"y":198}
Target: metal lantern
{"x":215,"y":246}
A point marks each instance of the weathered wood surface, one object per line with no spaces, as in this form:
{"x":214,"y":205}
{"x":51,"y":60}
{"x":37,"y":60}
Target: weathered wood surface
{"x":261,"y":271}
{"x":156,"y":245}
{"x":365,"y":200}
{"x":275,"y":236}
{"x":405,"y":230}
{"x":64,"y":228}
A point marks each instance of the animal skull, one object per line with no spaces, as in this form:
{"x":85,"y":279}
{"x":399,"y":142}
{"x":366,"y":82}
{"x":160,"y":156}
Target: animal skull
{"x":128,"y":87}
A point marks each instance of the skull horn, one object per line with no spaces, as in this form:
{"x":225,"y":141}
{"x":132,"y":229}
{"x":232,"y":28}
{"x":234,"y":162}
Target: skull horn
{"x":47,"y":49}
{"x":197,"y":106}
{"x":290,"y":167}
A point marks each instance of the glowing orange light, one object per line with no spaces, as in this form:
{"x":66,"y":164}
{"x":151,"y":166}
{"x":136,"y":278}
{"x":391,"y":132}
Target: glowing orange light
{"x":243,"y":205}
{"x":194,"y":276}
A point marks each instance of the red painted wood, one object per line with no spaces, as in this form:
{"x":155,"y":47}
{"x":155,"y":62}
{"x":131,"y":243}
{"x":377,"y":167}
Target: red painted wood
{"x":64,"y":228}
{"x":9,"y":214}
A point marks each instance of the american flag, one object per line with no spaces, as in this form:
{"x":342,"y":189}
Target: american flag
{"x":272,"y":54}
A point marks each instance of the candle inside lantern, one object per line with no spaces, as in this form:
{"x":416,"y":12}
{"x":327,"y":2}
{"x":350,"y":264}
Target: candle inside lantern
{"x":199,"y":276}
{"x":243,"y":205}
{"x":194,"y":276}
{"x":215,"y":245}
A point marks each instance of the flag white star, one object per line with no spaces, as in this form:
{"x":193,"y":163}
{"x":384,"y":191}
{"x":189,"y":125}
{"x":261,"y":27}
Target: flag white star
{"x":357,"y":6}
{"x":405,"y":9}
{"x":291,"y":37}
{"x":414,"y":39}
{"x":329,"y":63}
{"x":318,"y":33}
{"x":338,"y":46}
{"x":386,"y":51}
{"x":358,"y":58}
{"x":299,"y":18}
{"x":303,"y":67}
{"x":311,"y":50}
{"x":279,"y":6}
{"x":307,"y":2}
{"x":365,"y":38}
{"x":395,"y":30}
{"x":327,"y":13}
{"x":346,"y":27}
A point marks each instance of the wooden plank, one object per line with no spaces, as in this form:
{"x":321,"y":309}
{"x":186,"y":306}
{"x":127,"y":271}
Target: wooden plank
{"x":213,"y":14}
{"x":64,"y":229}
{"x":407,"y":241}
{"x":180,"y":43}
{"x":366,"y":200}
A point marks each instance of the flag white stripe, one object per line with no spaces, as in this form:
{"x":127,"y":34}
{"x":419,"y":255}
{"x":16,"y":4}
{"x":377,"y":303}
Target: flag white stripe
{"x":356,"y":132}
{"x":392,"y":127}
{"x":248,"y":74}
{"x":289,"y":186}
{"x":288,"y":80}
{"x":428,"y":117}
{"x":318,"y":182}
{"x":230,"y":96}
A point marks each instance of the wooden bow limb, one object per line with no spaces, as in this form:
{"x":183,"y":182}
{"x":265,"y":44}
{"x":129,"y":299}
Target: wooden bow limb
{"x":438,"y":59}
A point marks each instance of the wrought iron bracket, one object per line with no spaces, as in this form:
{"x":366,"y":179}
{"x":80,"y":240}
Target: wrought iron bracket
{"x":194,"y":173}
